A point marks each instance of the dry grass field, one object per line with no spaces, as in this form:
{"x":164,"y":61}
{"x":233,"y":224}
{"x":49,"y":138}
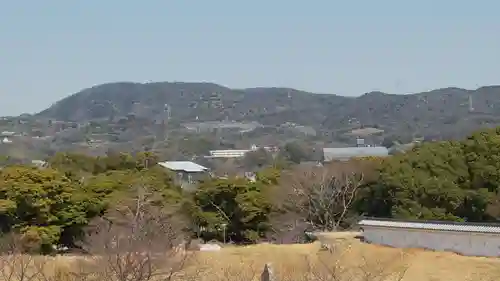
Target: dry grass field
{"x":352,"y":260}
{"x":348,"y":260}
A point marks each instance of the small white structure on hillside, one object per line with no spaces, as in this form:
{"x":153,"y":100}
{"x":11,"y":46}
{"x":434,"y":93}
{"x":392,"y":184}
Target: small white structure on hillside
{"x":39,"y":163}
{"x":469,"y":239}
{"x":188,"y":173}
{"x":228,"y":153}
{"x":237,"y":153}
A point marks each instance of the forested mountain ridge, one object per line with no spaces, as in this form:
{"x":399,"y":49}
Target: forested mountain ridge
{"x":441,"y":113}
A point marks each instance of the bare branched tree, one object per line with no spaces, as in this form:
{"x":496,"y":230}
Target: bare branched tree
{"x":139,"y":241}
{"x":287,"y":227}
{"x":15,"y":264}
{"x":324,"y":195}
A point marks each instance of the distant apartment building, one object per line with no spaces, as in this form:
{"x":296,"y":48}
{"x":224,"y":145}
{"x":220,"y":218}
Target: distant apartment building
{"x":211,"y":126}
{"x":228,"y":153}
{"x":237,"y":153}
{"x":7,"y":134}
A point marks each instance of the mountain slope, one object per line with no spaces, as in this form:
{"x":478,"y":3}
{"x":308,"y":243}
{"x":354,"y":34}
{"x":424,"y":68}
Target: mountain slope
{"x":439,"y":113}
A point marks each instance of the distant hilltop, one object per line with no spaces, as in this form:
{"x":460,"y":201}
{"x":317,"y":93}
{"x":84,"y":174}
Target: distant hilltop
{"x":437,"y":114}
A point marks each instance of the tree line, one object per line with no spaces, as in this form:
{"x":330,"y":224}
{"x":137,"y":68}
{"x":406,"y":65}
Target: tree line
{"x":59,"y":204}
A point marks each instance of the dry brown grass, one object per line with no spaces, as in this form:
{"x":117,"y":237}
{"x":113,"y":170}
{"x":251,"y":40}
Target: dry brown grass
{"x":351,"y":260}
{"x":290,"y":261}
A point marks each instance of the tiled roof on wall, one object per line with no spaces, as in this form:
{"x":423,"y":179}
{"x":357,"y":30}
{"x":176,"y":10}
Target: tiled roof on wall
{"x":434,"y":225}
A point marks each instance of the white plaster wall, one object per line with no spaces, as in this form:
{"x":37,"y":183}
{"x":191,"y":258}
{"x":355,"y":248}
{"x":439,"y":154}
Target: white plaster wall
{"x":470,"y":244}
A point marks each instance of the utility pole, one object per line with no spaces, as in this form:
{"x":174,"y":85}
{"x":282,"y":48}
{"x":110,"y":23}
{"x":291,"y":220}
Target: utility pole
{"x":471,"y":106}
{"x":167,"y":114}
{"x":224,"y":231}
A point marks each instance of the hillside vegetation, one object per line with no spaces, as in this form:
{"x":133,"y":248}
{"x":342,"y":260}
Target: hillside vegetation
{"x":182,"y":121}
{"x":128,"y":215}
{"x":439,"y":114}
{"x":450,"y":180}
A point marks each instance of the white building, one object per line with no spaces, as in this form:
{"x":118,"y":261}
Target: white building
{"x":187,"y":172}
{"x":8,"y":133}
{"x":228,"y":153}
{"x":237,"y":153}
{"x":39,"y":163}
{"x":470,"y":239}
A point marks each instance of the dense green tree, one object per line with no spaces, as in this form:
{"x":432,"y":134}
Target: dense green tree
{"x":43,"y":203}
{"x":78,"y":164}
{"x":54,"y":205}
{"x":482,"y":152}
{"x":146,"y":159}
{"x":294,"y":152}
{"x":72,"y":164}
{"x":257,"y":159}
{"x":447,"y":180}
{"x":114,"y":185}
{"x":235,"y":208}
{"x":114,"y":161}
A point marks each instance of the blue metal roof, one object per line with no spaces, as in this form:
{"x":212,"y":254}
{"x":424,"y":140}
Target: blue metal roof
{"x":330,"y":154}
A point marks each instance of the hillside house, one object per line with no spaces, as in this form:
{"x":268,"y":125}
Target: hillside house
{"x":469,"y":239}
{"x":187,"y":173}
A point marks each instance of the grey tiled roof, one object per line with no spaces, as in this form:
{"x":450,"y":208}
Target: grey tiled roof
{"x":424,"y":225}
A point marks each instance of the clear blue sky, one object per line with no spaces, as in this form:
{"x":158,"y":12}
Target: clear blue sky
{"x":50,"y":49}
